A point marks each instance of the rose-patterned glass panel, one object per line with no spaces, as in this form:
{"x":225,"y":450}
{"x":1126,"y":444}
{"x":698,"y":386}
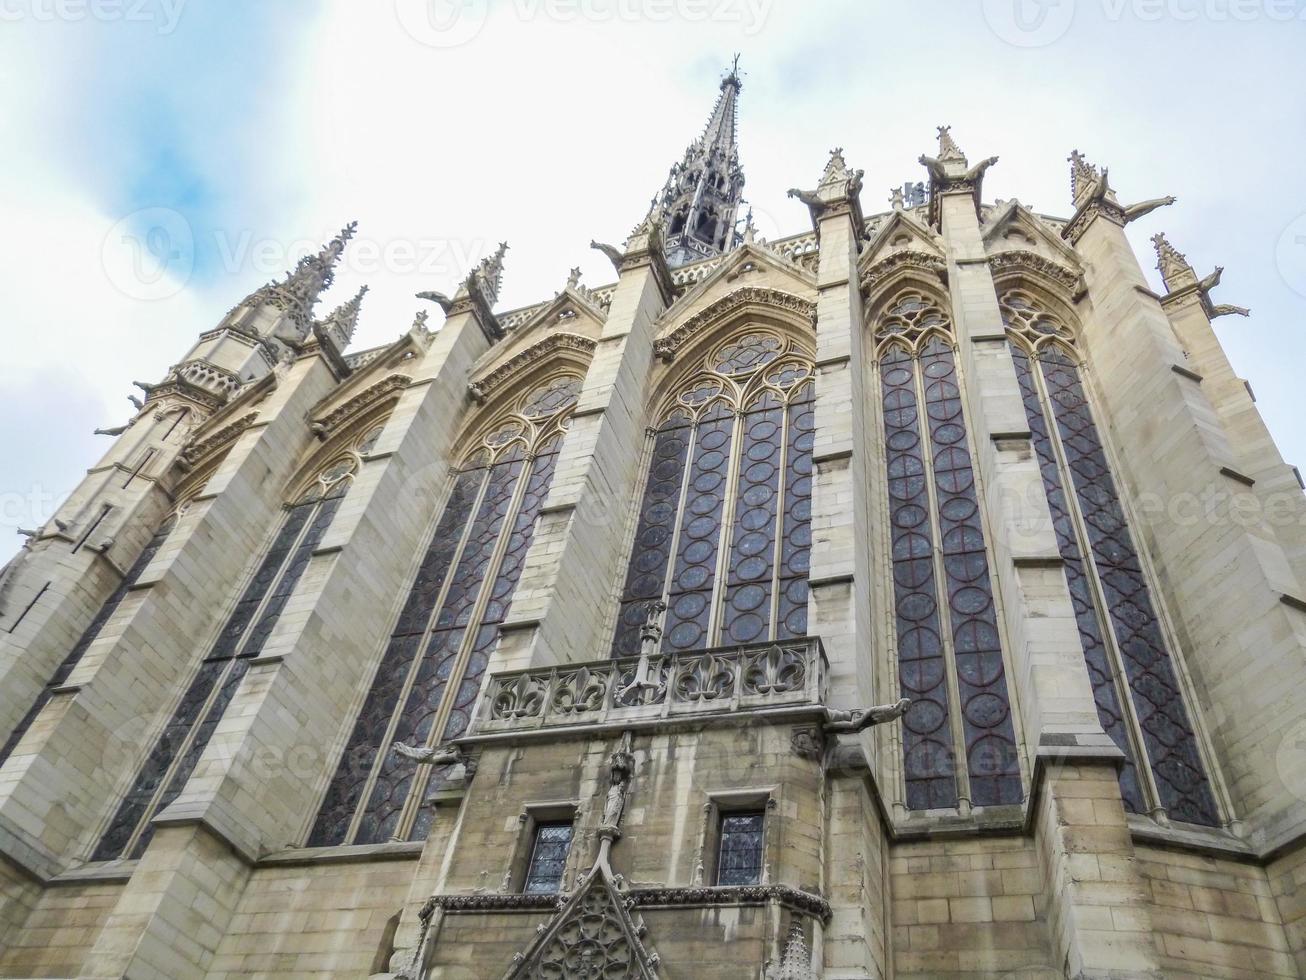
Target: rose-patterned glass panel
{"x":922,"y":666}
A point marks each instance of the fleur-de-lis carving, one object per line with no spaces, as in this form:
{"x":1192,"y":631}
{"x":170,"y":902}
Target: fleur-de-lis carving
{"x":775,"y":670}
{"x":519,"y":697}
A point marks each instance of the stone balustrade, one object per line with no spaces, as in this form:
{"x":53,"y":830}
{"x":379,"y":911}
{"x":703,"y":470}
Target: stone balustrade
{"x":724,"y":679}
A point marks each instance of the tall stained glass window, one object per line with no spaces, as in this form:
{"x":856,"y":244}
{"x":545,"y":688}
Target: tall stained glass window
{"x":724,"y":534}
{"x":949,"y":649}
{"x":425,"y":688}
{"x":177,"y":751}
{"x":1134,"y":683}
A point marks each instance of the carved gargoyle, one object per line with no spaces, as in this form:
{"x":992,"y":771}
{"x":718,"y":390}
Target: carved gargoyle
{"x":439,"y":299}
{"x":136,"y":402}
{"x":850,"y":722}
{"x":809,"y":198}
{"x":934,"y":167}
{"x":437,"y":755}
{"x":116,"y":430}
{"x":145,"y":387}
{"x":1226,"y":309}
{"x":977,"y":171}
{"x":319,"y":430}
{"x":614,"y":254}
{"x":1136,"y":211}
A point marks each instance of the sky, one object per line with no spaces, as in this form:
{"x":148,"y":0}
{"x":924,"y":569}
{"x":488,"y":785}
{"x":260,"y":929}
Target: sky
{"x":162,"y":158}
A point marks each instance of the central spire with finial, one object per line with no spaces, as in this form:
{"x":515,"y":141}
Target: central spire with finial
{"x":703,"y":192}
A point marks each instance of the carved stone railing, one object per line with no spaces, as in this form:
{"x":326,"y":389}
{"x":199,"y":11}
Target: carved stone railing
{"x":720,"y":680}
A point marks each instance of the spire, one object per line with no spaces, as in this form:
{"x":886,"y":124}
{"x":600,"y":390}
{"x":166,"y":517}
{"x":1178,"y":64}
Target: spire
{"x":342,"y":321}
{"x":702,"y":194}
{"x":298,"y":293}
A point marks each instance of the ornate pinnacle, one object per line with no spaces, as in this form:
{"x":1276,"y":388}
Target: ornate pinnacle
{"x":948,"y":148}
{"x":486,"y":278}
{"x":573,"y":277}
{"x":1083,"y":175}
{"x":837,"y":168}
{"x":1170,"y":262}
{"x":343,"y":320}
{"x":796,"y":960}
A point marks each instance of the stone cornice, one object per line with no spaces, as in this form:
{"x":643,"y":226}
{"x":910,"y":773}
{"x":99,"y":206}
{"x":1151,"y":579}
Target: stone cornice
{"x":196,"y":451}
{"x":689,"y":897}
{"x":366,"y":398}
{"x":1022,"y":260}
{"x":911,"y":259}
{"x":485,"y":386}
{"x":666,"y":348}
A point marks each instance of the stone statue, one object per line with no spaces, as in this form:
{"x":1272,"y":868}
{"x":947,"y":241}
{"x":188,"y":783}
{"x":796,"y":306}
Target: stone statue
{"x":621,"y":766}
{"x":850,"y":722}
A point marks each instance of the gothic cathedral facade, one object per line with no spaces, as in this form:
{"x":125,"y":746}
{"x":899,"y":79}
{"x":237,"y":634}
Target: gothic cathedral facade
{"x":918,"y":595}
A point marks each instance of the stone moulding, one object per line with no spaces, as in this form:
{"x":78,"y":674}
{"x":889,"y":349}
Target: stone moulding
{"x":913,"y":259}
{"x":646,"y":898}
{"x":1021,"y":260}
{"x":484,"y":387}
{"x":197,"y":451}
{"x":787,"y":673}
{"x":667,"y":347}
{"x":364,"y":399}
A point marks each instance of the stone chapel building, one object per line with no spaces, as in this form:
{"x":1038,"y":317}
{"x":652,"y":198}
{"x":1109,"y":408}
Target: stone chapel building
{"x":919,"y":595}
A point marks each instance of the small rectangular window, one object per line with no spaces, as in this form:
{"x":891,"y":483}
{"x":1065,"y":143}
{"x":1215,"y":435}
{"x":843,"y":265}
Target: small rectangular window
{"x":548,"y":858}
{"x":739,"y":849}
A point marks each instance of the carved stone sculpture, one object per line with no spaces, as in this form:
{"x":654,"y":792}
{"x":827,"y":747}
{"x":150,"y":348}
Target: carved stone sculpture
{"x":850,"y":722}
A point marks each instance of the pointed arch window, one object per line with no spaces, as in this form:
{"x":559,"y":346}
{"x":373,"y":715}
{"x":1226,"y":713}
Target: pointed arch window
{"x":424,"y":690}
{"x":177,"y":751}
{"x":724,"y":535}
{"x":1135,"y":686}
{"x":950,"y":660}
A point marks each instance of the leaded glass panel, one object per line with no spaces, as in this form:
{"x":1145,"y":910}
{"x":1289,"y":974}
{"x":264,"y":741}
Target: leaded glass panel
{"x":1096,"y":656}
{"x":175,"y":754}
{"x":1168,"y":737}
{"x":431,"y":671}
{"x":740,"y":849}
{"x":548,"y":858}
{"x":928,"y":755}
{"x":724,"y":529}
{"x":985,"y":710}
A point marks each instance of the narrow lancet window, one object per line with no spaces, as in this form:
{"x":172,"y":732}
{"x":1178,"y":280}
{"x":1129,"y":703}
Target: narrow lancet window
{"x":950,"y":659}
{"x":178,"y":749}
{"x":724,"y":534}
{"x":425,"y":688}
{"x":1104,"y":572}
